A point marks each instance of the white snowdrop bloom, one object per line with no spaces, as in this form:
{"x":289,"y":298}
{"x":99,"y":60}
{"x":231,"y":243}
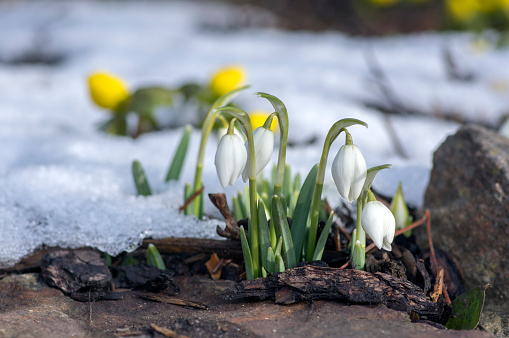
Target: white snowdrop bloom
{"x":349,"y":171}
{"x":263,"y":140}
{"x":231,"y":157}
{"x":378,"y":222}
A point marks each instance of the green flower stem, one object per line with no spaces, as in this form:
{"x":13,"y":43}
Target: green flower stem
{"x":333,"y":133}
{"x":254,"y":241}
{"x":207,"y":126}
{"x":282,"y":117}
{"x":359,"y":257}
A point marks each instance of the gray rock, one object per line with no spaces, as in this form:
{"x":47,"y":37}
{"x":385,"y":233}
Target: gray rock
{"x":468,"y":199}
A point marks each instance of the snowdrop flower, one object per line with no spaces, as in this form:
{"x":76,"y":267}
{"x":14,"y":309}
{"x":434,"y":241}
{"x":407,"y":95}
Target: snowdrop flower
{"x":349,"y":171}
{"x":263,"y":140}
{"x":378,"y":222}
{"x":106,"y":90}
{"x":231,"y":157}
{"x":258,"y":118}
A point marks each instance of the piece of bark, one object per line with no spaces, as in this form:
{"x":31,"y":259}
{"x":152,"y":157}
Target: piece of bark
{"x":76,"y":271}
{"x":410,"y":264}
{"x":162,"y":298}
{"x":231,"y":230}
{"x":145,"y":277}
{"x":312,"y":283}
{"x":223,"y":248}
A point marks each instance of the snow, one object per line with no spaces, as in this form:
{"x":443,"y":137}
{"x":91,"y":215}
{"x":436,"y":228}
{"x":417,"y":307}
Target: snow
{"x":65,"y":183}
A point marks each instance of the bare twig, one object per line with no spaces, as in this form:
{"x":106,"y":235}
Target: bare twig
{"x":191,"y":198}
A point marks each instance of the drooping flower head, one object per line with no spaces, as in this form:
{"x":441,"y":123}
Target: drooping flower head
{"x":349,"y":170}
{"x":378,"y":222}
{"x":107,"y":90}
{"x":231,"y":157}
{"x":263,"y":140}
{"x":226,"y":79}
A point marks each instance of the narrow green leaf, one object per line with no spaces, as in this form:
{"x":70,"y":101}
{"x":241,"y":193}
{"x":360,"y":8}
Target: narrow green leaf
{"x":154,"y":257}
{"x":264,"y":237}
{"x":237,"y":210}
{"x":282,"y":229}
{"x":359,"y":256}
{"x":180,"y":156}
{"x":140,"y":180}
{"x":292,"y":204}
{"x":466,"y":310}
{"x":271,"y":260}
{"x":188,"y":191}
{"x":242,"y":205}
{"x":280,"y":264}
{"x":287,"y":183}
{"x":226,"y":98}
{"x":279,"y":246}
{"x":246,"y":252}
{"x":300,"y":216}
{"x":129,"y":260}
{"x":264,"y":272}
{"x":246,"y":198}
{"x":322,"y":240}
{"x":296,"y":183}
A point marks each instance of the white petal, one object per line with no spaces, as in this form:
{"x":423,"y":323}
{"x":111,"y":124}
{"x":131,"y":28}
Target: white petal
{"x":372,"y":222}
{"x":263,"y":140}
{"x":349,"y":171}
{"x":230,"y":159}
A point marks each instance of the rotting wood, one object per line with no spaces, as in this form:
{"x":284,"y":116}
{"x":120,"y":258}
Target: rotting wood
{"x":162,"y":298}
{"x":223,"y":248}
{"x":361,"y":287}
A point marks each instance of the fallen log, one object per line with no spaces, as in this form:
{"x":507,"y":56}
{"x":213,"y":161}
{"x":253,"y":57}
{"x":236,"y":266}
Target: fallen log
{"x":355,"y":286}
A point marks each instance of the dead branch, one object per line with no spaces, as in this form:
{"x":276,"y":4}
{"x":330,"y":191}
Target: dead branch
{"x":355,"y":286}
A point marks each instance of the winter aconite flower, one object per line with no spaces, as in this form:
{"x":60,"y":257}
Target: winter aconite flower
{"x":231,"y":157}
{"x":263,"y":140}
{"x":349,"y":171}
{"x":106,"y":90}
{"x":258,"y":118}
{"x":378,"y":222}
{"x":226,"y":79}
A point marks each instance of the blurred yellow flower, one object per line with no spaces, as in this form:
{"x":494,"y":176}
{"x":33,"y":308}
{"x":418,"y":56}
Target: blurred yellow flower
{"x":107,"y":90}
{"x":258,"y":118}
{"x":463,"y":10}
{"x":226,"y":79}
{"x":384,"y":3}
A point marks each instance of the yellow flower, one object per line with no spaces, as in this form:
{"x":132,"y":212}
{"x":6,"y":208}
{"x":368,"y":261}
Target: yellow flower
{"x":106,"y":90}
{"x":462,"y":10}
{"x":258,"y":118}
{"x":226,"y":79}
{"x":384,"y":3}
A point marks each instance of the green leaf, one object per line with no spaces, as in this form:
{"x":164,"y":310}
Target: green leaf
{"x":280,"y":264}
{"x":264,"y":237}
{"x":359,"y":255}
{"x":287,"y":183}
{"x":242,"y":205}
{"x":322,"y":240}
{"x":370,"y":176}
{"x":296,"y":183}
{"x":271,"y":260}
{"x":180,"y":156}
{"x":145,"y":100}
{"x":466,"y":310}
{"x":248,"y":261}
{"x":300,"y":216}
{"x":154,"y":257}
{"x":237,"y":210}
{"x":140,"y":179}
{"x":188,"y":191}
{"x":282,"y":229}
{"x":279,"y":246}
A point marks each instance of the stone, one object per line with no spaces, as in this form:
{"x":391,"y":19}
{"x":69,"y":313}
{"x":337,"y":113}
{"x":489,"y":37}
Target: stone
{"x":468,"y":199}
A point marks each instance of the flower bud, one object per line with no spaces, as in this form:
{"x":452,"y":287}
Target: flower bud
{"x":378,"y":222}
{"x":349,"y":171}
{"x":263,"y":140}
{"x":231,"y":157}
{"x":106,"y":90}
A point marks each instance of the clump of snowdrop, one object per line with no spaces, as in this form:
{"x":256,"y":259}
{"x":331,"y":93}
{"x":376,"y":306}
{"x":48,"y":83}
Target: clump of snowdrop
{"x":275,"y":247}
